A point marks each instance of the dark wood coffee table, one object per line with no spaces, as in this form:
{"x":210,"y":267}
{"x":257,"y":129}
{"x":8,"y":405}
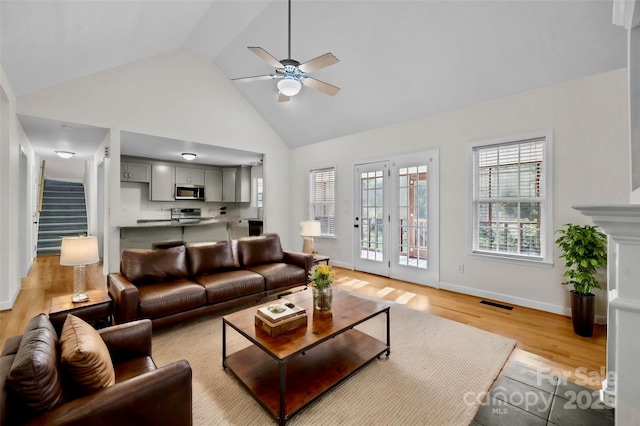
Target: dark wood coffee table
{"x":287,"y":372}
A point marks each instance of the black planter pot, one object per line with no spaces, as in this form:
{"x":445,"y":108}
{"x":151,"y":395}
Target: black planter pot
{"x":583,"y":313}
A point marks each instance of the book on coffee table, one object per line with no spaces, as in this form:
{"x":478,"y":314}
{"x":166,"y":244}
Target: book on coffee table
{"x":277,"y":328}
{"x":280,"y":311}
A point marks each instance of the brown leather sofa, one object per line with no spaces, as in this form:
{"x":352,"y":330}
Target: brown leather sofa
{"x":142,"y":393}
{"x":172,"y":284}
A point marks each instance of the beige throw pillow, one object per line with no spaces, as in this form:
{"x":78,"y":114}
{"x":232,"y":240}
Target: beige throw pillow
{"x":85,"y":356}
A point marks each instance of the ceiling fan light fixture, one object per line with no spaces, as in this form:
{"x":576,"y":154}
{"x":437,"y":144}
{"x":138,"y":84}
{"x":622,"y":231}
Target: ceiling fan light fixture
{"x":65,"y":154}
{"x":292,"y":73}
{"x":289,"y":86}
{"x":188,"y":156}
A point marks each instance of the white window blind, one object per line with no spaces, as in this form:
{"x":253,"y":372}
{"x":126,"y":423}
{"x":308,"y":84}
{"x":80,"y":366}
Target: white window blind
{"x":259,"y":191}
{"x":323,"y":199}
{"x":510,"y":199}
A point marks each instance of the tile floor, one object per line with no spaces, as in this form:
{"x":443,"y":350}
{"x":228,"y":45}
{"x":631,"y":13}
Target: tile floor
{"x":524,"y":396}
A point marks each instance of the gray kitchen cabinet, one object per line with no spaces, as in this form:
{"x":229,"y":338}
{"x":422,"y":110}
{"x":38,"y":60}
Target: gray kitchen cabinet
{"x":162,"y":183}
{"x":229,"y":184}
{"x":213,"y":185}
{"x":135,"y":172}
{"x":243,"y":185}
{"x":189,"y":176}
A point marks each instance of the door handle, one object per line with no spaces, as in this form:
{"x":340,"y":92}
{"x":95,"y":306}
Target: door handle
{"x":356,"y":226}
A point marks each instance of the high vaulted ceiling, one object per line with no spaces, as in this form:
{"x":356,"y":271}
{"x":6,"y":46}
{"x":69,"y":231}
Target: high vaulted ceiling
{"x":398,"y":59}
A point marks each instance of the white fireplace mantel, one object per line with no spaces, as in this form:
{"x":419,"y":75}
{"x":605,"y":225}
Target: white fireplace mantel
{"x":621,"y":387}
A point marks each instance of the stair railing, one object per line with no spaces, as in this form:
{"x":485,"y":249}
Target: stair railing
{"x":41,"y":195}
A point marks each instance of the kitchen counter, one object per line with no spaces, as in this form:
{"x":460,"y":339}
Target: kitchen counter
{"x":153,"y":223}
{"x":146,"y":233}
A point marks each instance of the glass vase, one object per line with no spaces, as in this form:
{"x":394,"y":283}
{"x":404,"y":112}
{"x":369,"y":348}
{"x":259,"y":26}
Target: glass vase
{"x":322,"y":298}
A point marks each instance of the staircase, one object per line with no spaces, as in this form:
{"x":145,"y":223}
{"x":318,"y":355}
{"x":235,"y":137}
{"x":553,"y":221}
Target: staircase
{"x":64,"y":214}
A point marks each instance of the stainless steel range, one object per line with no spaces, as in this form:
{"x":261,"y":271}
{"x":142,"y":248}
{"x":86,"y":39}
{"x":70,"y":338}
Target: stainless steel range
{"x":186,"y":215}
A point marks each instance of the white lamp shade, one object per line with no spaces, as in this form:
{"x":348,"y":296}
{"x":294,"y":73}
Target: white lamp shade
{"x":310,"y":228}
{"x":76,"y":251}
{"x":289,"y":86}
{"x":188,"y":156}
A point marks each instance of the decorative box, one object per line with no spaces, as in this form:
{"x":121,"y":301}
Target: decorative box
{"x":282,"y":326}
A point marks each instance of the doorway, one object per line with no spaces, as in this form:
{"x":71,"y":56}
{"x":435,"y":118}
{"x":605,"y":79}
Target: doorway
{"x":24,"y":216}
{"x":396,"y":221}
{"x":100,"y":210}
{"x":372,"y":218}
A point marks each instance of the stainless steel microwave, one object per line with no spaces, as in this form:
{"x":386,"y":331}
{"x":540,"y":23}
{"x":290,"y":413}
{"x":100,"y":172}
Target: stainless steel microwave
{"x":189,"y":192}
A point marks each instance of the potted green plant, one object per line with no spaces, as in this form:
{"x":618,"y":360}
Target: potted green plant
{"x":584,"y":249}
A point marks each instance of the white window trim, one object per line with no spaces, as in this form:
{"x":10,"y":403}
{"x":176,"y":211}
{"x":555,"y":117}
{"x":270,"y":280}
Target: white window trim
{"x":310,"y":204}
{"x":547,"y":229}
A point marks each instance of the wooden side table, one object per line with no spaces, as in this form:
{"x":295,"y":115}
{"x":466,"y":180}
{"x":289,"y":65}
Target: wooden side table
{"x":318,"y":258}
{"x":97,"y":311}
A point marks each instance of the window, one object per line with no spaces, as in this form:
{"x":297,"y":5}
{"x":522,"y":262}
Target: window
{"x":412,"y":214}
{"x":511,"y":199}
{"x":323,"y":199}
{"x":259,"y":192}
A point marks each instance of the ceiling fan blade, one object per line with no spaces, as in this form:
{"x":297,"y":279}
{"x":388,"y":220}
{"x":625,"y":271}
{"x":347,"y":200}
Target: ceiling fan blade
{"x":319,"y":62}
{"x":283,"y":98}
{"x":266,"y":57}
{"x":321,"y":86}
{"x":257,"y":78}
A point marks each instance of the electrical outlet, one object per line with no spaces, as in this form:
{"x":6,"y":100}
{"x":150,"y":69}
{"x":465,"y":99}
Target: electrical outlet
{"x":461,"y":268}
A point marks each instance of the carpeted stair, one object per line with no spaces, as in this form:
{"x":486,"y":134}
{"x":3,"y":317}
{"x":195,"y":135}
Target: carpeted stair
{"x":64,"y":214}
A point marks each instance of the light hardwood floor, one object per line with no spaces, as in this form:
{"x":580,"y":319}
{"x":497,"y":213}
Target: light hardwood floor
{"x":545,"y":340}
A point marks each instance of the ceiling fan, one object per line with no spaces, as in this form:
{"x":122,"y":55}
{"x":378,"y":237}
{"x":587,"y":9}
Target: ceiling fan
{"x":292,"y":75}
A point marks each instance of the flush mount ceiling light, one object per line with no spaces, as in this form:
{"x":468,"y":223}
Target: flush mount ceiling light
{"x":65,"y":154}
{"x":188,"y":156}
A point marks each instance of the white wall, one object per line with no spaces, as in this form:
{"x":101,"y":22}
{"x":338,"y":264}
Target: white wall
{"x":66,"y":169}
{"x":177,"y":95}
{"x":93,"y":206}
{"x":12,"y":138}
{"x":183,"y":96}
{"x":588,"y":118}
{"x":31,"y":185}
{"x":634,"y":108}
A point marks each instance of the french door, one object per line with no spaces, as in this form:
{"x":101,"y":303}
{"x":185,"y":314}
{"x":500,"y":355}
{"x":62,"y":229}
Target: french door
{"x":396,"y":222}
{"x":372,"y":218}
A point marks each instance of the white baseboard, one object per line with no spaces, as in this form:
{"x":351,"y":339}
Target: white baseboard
{"x":8,"y":304}
{"x":519,"y":301}
{"x":341,"y":264}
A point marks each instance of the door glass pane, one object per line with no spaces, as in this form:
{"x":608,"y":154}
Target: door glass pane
{"x":371,"y":212}
{"x":412,"y":215}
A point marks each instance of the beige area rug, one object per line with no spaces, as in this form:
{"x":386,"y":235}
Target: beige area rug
{"x":436,"y":370}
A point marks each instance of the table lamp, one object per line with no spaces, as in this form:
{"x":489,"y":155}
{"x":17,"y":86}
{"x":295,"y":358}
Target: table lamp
{"x":79,"y":252}
{"x":308,"y":230}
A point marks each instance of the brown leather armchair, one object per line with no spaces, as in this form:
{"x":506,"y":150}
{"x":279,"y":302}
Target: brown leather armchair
{"x":142,"y":393}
